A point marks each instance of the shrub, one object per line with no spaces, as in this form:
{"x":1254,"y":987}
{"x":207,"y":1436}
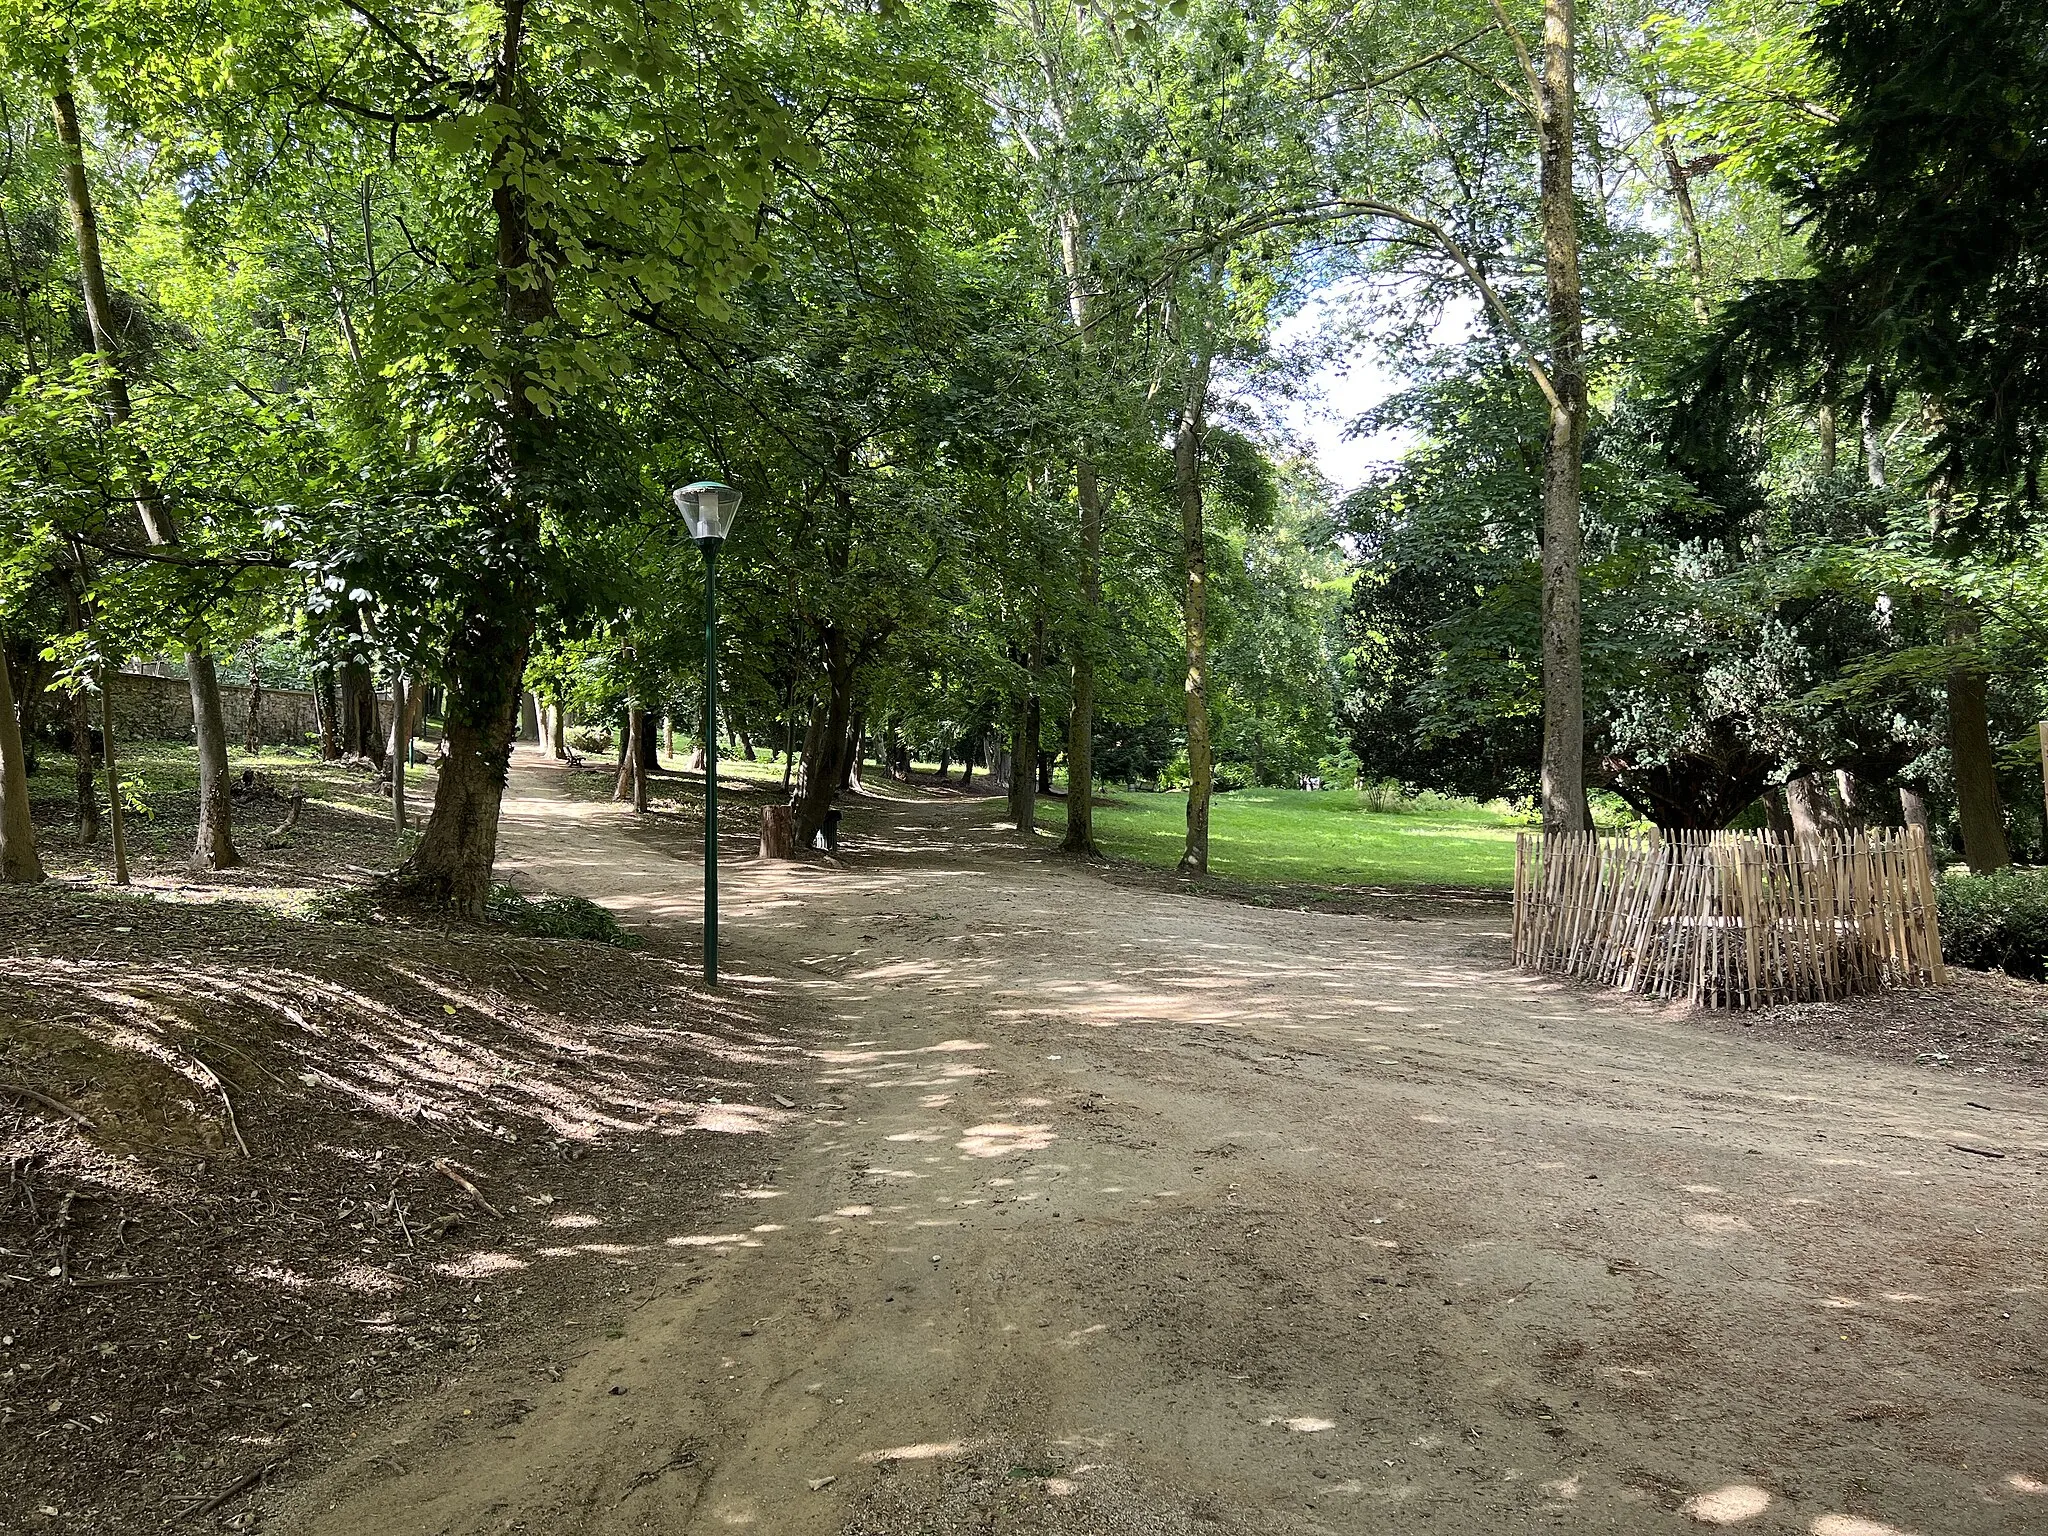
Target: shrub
{"x":1996,"y":922}
{"x":549,"y":916}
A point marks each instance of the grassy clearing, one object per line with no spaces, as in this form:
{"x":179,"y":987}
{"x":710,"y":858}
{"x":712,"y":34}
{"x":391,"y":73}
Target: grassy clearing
{"x":1328,"y":837}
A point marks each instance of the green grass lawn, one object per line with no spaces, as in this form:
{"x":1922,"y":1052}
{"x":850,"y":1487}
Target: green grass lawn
{"x":1325,"y":837}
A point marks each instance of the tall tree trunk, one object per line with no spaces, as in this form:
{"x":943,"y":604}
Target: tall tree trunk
{"x":326,"y":708}
{"x":638,"y":739}
{"x":1681,"y":199}
{"x":398,"y":752}
{"x":559,"y":744}
{"x":1080,"y":836}
{"x":252,"y":722}
{"x":825,"y":742}
{"x":856,"y":748}
{"x":20,"y":864}
{"x":1860,"y":810}
{"x":1913,"y":810}
{"x":216,"y":847}
{"x":87,"y":815}
{"x":1978,"y":807}
{"x":486,"y":664}
{"x":117,"y":818}
{"x":1814,"y":812}
{"x":1187,"y":484}
{"x":1871,"y":420}
{"x":1564,"y":697}
{"x":1778,"y":813}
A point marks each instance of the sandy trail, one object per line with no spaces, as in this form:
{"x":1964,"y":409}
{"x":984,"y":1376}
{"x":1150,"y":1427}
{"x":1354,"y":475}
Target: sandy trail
{"x":1152,"y":1214}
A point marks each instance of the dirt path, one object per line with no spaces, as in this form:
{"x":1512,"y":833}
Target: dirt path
{"x":1117,"y":1211}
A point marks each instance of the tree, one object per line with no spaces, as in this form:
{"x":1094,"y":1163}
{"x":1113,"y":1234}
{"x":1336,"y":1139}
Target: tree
{"x":47,"y":45}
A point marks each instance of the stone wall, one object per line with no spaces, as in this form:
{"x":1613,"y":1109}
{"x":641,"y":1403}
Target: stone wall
{"x":160,"y":709}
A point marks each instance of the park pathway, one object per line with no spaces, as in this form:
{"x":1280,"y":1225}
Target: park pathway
{"x":1105,"y":1209}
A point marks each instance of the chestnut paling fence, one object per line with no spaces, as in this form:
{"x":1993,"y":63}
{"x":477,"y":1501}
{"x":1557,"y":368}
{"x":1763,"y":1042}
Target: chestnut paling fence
{"x":1730,"y":919}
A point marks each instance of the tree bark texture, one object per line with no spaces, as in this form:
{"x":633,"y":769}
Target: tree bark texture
{"x":825,"y":741}
{"x":214,"y":847}
{"x":638,"y":740}
{"x":1187,"y":483}
{"x":117,"y":818}
{"x":1913,"y":810}
{"x":1979,"y":811}
{"x":327,"y":706}
{"x":1814,"y":812}
{"x":778,"y":832}
{"x":856,"y":749}
{"x":1024,"y":763}
{"x":1564,"y":701}
{"x":487,"y":661}
{"x":401,"y":737}
{"x":87,"y":815}
{"x":252,"y":722}
{"x":20,"y":864}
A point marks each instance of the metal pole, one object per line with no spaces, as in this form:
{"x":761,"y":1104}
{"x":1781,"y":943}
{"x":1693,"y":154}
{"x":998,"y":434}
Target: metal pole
{"x":710,"y":763}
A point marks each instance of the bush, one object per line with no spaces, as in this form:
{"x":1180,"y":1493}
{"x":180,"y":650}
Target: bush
{"x":1996,"y":922}
{"x":549,"y":916}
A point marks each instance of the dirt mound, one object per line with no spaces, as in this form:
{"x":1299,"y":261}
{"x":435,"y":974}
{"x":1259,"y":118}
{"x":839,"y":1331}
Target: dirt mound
{"x":260,"y":1164}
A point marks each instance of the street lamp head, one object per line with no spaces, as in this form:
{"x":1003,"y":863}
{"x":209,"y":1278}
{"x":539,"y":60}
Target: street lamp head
{"x":708,"y":509}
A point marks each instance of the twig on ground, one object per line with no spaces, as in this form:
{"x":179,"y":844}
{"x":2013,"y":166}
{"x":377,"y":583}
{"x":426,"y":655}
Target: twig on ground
{"x":57,"y":1106}
{"x":213,"y":1081}
{"x":447,"y":1171}
{"x":241,"y":1484}
{"x":245,"y":1056}
{"x":392,"y":1206}
{"x":1975,"y":1151}
{"x":281,"y":833}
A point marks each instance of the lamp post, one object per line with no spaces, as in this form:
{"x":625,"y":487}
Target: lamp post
{"x":708,"y":510}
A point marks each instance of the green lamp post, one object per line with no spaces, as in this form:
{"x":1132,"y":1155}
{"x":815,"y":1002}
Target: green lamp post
{"x":708,"y":510}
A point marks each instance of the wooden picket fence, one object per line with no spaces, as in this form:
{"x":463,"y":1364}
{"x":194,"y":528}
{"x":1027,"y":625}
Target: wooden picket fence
{"x":1730,"y":919}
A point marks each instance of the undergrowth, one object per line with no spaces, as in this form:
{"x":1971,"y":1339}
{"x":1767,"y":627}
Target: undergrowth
{"x":1996,"y":922}
{"x":546,"y":916}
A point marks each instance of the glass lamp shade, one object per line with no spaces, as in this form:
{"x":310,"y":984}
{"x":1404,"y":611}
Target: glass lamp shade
{"x":708,"y":509}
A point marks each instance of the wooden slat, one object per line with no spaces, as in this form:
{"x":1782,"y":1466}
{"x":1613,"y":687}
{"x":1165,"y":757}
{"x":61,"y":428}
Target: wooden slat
{"x":1731,"y":920}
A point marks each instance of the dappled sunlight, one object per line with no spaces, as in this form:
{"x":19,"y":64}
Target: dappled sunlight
{"x":998,"y":1139}
{"x":1726,"y":1506}
{"x":479,"y":1060}
{"x":481,"y":1266}
{"x":927,"y":1450}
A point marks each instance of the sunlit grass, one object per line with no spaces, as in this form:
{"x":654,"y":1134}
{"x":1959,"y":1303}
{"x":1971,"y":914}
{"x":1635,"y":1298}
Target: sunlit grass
{"x":1327,"y":837}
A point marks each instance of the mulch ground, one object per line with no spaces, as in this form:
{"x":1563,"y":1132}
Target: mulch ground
{"x":1981,"y":1027}
{"x":269,"y":1173}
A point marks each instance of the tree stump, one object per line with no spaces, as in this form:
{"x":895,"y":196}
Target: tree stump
{"x":778,"y":832}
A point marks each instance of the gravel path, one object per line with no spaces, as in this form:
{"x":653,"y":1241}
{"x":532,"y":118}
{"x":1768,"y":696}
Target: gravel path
{"x":1108,"y":1210}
